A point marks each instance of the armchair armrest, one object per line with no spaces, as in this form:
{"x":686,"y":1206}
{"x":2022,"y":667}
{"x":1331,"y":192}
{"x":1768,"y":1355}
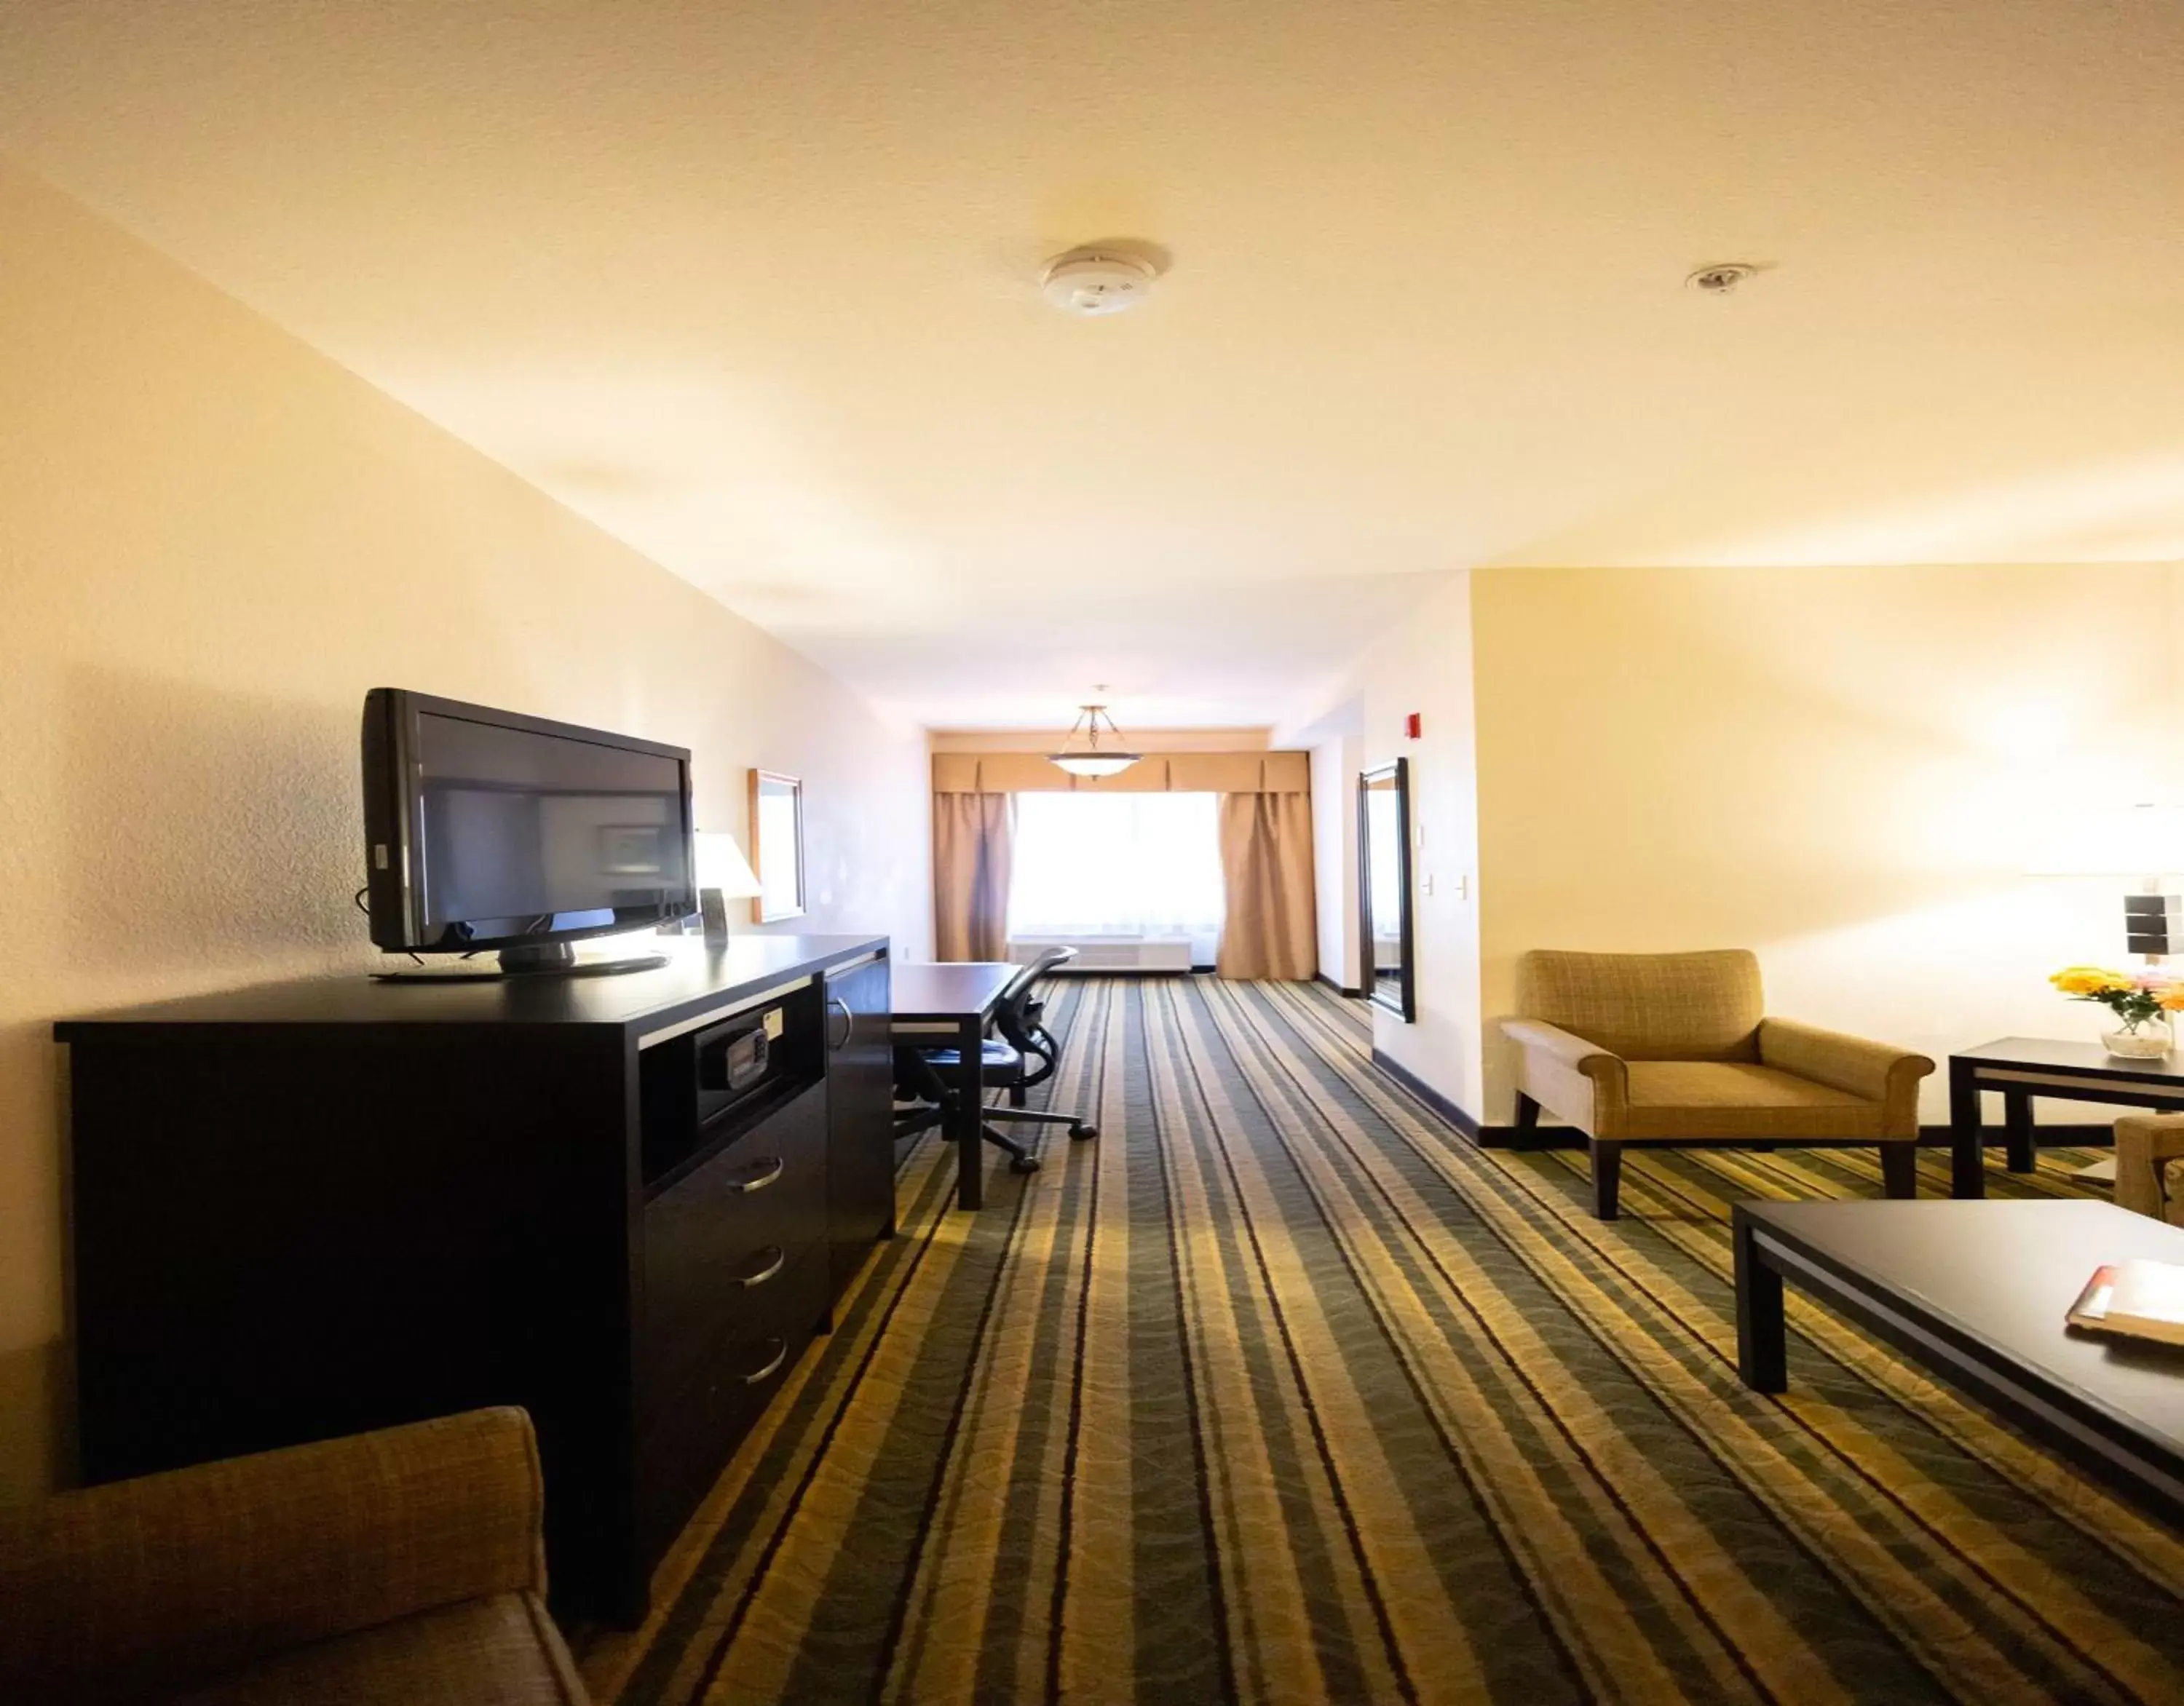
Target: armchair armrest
{"x":140,"y":1584}
{"x":2146,"y":1143}
{"x":1879,"y":1071}
{"x":1580,"y":1081}
{"x":1561,"y":1046}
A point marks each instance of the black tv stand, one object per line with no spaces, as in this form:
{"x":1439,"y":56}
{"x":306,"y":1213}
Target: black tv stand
{"x":527,"y":959}
{"x":310,"y":1208}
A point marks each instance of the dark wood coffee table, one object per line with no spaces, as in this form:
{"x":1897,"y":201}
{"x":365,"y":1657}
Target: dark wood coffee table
{"x":1976,"y":1292}
{"x":2024,"y":1067}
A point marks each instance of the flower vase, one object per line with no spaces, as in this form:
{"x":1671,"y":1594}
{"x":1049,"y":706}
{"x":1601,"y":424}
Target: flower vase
{"x":2149,"y":1039}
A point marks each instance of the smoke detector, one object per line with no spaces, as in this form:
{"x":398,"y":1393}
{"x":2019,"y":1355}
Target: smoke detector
{"x":1722,"y":277}
{"x":1093,"y":282}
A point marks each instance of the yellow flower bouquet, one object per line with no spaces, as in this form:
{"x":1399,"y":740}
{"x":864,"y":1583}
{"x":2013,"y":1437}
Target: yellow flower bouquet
{"x":2142,"y":1001}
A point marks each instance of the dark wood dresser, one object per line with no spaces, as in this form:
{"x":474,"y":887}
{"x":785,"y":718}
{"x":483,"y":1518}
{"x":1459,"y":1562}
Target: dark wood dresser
{"x":304,"y":1210}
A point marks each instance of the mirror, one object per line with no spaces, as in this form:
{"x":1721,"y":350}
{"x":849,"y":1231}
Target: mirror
{"x":776,"y":839}
{"x":1384,"y":866}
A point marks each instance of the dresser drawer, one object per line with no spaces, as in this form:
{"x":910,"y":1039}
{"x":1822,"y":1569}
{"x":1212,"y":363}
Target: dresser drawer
{"x":687,"y":1434}
{"x":718,"y":1244}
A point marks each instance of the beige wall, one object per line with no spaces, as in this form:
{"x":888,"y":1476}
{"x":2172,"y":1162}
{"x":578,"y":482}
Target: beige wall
{"x":1848,"y":770}
{"x":212,"y":541}
{"x":1335,"y":766}
{"x":1425,"y":666}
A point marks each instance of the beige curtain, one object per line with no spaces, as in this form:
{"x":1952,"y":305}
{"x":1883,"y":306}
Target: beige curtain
{"x":971,"y":840}
{"x":1266,"y":860}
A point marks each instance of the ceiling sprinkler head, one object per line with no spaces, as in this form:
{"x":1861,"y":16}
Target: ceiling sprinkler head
{"x":1722,"y":277}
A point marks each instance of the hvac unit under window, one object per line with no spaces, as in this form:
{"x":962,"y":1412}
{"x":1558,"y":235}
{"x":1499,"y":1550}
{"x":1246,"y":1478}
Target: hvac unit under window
{"x":1109,"y":953}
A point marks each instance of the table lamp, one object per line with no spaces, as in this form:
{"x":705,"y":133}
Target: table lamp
{"x":2145,"y":841}
{"x":723,"y":874}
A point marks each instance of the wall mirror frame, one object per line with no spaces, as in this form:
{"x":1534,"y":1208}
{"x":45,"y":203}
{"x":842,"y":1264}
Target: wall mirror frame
{"x":1383,"y":889}
{"x":777,"y":846}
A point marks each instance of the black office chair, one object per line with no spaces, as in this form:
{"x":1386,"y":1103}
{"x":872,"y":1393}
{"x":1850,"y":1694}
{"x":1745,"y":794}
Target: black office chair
{"x":1024,"y":1054}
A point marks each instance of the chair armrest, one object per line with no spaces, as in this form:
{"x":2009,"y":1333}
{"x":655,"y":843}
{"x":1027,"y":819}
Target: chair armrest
{"x":1559,"y":1045}
{"x":1580,"y":1081}
{"x":146,"y":1584}
{"x":1879,"y":1071}
{"x":2146,"y":1143}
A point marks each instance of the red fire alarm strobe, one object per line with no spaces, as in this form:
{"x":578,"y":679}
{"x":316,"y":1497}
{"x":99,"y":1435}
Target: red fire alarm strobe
{"x":1410,"y":726}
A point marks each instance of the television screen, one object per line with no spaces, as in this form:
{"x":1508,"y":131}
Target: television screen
{"x":487,"y":828}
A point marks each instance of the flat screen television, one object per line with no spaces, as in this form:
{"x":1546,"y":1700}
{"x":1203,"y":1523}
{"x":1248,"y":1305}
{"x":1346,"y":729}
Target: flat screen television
{"x":488,"y":829}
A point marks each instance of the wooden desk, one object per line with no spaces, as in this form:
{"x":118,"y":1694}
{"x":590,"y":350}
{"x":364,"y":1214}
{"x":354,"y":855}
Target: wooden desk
{"x":941,"y":1006}
{"x":1976,"y":1291}
{"x":2024,"y":1067}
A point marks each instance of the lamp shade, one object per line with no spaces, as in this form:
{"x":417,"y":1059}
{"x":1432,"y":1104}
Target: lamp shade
{"x":721,"y":865}
{"x":1089,"y":760}
{"x":1096,"y":763}
{"x":2145,"y":840}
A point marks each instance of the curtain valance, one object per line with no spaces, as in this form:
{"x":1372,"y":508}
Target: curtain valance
{"x":1156,"y":773}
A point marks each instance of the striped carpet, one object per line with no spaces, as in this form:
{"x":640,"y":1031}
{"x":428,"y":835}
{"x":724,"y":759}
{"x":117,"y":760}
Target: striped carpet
{"x":1281,"y":1391}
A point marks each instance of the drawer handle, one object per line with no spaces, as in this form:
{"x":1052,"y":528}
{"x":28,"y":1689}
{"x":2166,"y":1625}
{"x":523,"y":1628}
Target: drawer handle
{"x":773,"y":1367}
{"x":848,"y":1020}
{"x":760,"y":1277}
{"x":757,"y":1181}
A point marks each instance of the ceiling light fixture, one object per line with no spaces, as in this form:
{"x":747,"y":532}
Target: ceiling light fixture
{"x":1089,"y":760}
{"x":1093,"y":280}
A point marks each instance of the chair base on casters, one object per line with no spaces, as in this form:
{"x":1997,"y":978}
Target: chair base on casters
{"x":1021,"y":1159}
{"x":1038,"y":1116}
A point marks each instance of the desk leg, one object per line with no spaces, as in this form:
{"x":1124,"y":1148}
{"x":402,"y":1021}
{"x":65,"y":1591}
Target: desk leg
{"x":971,"y":1116}
{"x":1967,"y":1160}
{"x":2017,"y":1128}
{"x":1763,"y":1352}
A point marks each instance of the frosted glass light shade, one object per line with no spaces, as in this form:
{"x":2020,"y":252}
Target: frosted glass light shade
{"x":721,"y":865}
{"x":1094,"y":764}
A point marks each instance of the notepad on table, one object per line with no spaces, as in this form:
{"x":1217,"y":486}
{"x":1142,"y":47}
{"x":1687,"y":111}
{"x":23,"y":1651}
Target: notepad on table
{"x":2140,"y":1300}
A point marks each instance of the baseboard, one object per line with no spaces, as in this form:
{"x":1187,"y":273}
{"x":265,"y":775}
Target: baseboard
{"x":2056,"y":1137}
{"x":1930,"y":1137}
{"x":1426,"y":1093}
{"x":2092,"y":1135}
{"x":1322,"y":977}
{"x":1539,"y":1137}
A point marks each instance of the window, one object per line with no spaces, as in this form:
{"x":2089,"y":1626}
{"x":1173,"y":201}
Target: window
{"x":1118,"y":864}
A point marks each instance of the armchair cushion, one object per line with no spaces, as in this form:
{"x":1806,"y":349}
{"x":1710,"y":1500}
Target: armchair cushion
{"x":1648,"y":1006}
{"x":1673,"y":1099}
{"x":500,"y":1651}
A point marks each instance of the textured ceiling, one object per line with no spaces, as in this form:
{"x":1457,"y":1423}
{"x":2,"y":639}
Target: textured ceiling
{"x":753,"y":286}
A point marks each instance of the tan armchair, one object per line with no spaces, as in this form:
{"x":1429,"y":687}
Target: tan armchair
{"x":2150,"y":1165}
{"x":404,"y":1566}
{"x":1673,"y":1048}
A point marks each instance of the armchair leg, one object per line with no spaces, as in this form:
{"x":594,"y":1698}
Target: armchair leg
{"x":1528,"y":1115}
{"x":1607,"y":1179}
{"x":1899,"y":1170}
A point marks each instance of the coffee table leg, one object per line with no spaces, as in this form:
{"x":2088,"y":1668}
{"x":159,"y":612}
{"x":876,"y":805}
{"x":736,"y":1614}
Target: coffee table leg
{"x":1762,"y":1359}
{"x":2017,"y":1127}
{"x":1967,"y":1161}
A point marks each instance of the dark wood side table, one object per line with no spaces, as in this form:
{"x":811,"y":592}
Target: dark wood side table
{"x":1976,"y":1292}
{"x":2024,"y":1067}
{"x":950,"y":1005}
